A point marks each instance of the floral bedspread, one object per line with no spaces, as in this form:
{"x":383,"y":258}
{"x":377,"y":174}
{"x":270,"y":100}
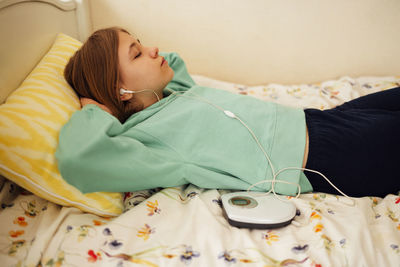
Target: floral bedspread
{"x":185,"y":226}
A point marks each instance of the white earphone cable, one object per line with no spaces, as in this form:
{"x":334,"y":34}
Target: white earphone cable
{"x":274,"y":175}
{"x":123,"y":91}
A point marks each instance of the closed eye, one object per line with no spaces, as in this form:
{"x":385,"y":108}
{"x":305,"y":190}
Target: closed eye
{"x":138,"y":55}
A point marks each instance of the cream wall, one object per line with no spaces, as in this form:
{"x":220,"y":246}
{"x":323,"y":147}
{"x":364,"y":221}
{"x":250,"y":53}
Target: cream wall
{"x":262,"y":41}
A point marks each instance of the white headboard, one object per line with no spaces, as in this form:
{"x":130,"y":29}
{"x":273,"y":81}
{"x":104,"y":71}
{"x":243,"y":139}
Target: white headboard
{"x":27,"y":30}
{"x":249,"y":42}
{"x":262,"y":41}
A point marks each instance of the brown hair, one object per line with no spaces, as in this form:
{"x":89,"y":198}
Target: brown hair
{"x":93,"y":72}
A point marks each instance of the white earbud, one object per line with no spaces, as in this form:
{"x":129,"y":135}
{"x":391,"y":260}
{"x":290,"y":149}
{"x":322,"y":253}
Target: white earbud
{"x":123,"y":91}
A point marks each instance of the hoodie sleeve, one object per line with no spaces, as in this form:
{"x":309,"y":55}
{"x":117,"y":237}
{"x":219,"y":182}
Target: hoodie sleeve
{"x":95,"y":154}
{"x":181,"y":80}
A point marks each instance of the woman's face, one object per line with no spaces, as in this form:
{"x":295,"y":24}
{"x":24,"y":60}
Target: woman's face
{"x":141,"y":68}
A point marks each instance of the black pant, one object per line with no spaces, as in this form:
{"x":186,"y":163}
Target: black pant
{"x":356,"y":145}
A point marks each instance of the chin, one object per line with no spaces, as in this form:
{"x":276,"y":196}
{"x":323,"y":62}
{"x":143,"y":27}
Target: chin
{"x":171,"y":72}
{"x":170,"y":77}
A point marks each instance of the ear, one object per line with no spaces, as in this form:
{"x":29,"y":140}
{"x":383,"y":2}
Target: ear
{"x":126,"y":96}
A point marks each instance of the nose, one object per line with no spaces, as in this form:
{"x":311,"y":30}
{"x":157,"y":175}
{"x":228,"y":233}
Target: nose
{"x":154,"y":52}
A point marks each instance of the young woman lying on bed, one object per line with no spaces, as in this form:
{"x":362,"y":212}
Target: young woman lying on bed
{"x":167,"y":131}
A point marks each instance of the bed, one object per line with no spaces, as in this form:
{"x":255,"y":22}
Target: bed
{"x":46,"y":222}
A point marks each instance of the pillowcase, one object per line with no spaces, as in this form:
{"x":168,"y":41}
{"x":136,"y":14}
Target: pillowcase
{"x":30,"y":121}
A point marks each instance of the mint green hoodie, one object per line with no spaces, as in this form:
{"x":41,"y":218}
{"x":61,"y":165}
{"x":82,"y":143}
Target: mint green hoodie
{"x":181,"y":140}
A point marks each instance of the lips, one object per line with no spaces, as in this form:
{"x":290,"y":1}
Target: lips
{"x":162,"y":61}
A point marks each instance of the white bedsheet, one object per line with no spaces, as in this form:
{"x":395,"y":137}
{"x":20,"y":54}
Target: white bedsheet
{"x":185,"y":227}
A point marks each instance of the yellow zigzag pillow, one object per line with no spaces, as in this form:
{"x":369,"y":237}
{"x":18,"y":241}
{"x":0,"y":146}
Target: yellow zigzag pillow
{"x":30,"y":121}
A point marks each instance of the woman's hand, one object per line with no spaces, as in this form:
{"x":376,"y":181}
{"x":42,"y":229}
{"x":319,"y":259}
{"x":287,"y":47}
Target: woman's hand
{"x":85,"y":101}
